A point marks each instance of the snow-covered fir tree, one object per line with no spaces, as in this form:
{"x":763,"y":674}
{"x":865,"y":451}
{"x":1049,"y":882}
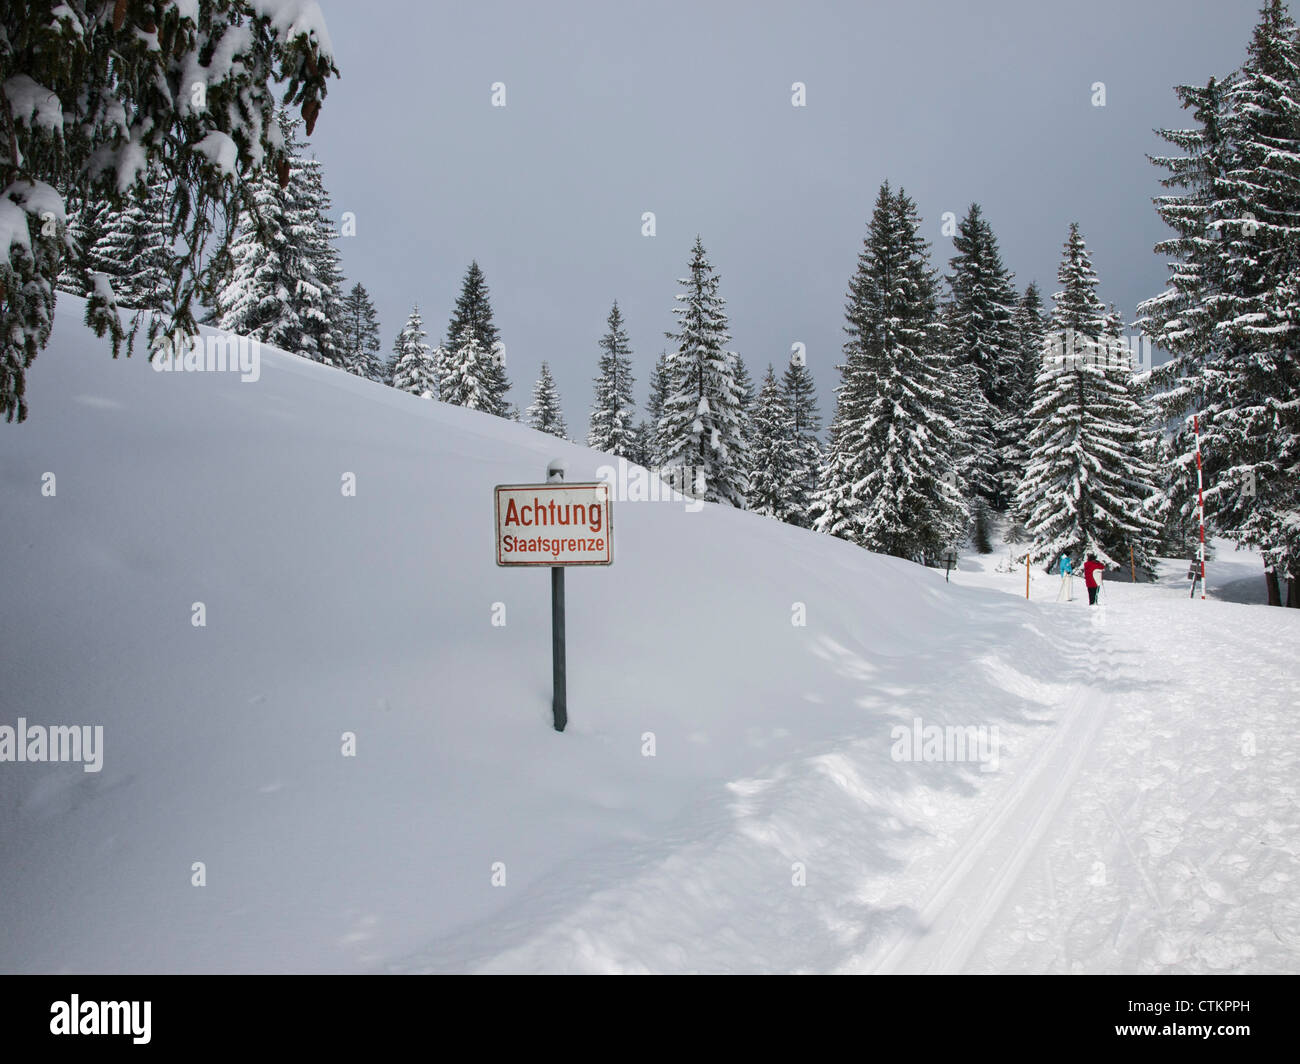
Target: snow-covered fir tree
{"x":472,"y":323}
{"x":1113,"y":326}
{"x":975,"y":445}
{"x":981,"y":332}
{"x":1179,"y":527}
{"x":74,"y":278}
{"x":318,"y":295}
{"x":1189,"y":318}
{"x":1088,"y":486}
{"x":439,"y":356}
{"x":466,"y":376}
{"x":1017,"y":421}
{"x":545,"y":413}
{"x":701,"y":436}
{"x":412,"y":367}
{"x":981,"y":526}
{"x":800,"y":394}
{"x":254,"y":301}
{"x":651,"y":449}
{"x":280,"y":283}
{"x":745,"y":388}
{"x":132,"y":245}
{"x":774,"y":462}
{"x":1031,"y":331}
{"x":641,"y":444}
{"x":359,"y":335}
{"x":1231,"y":314}
{"x":885,"y":481}
{"x":613,"y":429}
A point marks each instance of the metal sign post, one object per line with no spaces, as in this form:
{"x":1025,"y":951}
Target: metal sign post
{"x":555,"y":524}
{"x":559,"y":681}
{"x":560,"y":697}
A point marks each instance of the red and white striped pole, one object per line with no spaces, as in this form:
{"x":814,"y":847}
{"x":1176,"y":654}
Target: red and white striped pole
{"x":1200,"y":496}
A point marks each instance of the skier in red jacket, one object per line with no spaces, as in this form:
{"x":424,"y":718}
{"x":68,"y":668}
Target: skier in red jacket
{"x":1092,"y":571}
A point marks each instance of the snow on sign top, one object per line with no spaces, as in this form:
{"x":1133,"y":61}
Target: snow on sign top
{"x":554,"y":524}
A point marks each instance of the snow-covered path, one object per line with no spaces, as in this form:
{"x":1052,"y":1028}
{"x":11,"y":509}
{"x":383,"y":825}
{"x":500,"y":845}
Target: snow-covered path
{"x":1176,"y":848}
{"x":968,"y":894}
{"x":1155,"y":828}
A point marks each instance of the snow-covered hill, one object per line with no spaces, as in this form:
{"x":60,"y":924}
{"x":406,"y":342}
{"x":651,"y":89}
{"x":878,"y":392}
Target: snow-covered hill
{"x":779,"y":824}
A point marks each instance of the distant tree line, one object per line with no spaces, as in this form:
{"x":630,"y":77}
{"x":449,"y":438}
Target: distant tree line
{"x":962,"y":400}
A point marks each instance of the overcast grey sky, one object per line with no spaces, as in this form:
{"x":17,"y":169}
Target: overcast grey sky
{"x":683,"y":108}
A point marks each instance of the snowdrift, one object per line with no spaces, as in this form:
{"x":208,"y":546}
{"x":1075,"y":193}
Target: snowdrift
{"x":770,"y":673}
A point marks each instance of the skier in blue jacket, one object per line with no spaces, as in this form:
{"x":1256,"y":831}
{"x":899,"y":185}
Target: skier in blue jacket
{"x":1067,"y":579}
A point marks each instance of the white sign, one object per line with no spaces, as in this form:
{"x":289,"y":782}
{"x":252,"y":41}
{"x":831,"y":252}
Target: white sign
{"x":554,"y":524}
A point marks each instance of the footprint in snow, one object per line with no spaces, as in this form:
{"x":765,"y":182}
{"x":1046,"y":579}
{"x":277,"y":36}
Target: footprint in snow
{"x":1215,"y":890}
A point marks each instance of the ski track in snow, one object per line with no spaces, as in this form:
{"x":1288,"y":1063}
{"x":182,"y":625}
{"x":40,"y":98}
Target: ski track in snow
{"x":716,"y":903}
{"x":1116,"y":845}
{"x":967,"y":895}
{"x":1178,"y":850}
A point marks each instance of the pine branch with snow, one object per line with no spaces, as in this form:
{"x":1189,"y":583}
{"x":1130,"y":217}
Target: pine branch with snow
{"x":102,"y":93}
{"x":132,"y":245}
